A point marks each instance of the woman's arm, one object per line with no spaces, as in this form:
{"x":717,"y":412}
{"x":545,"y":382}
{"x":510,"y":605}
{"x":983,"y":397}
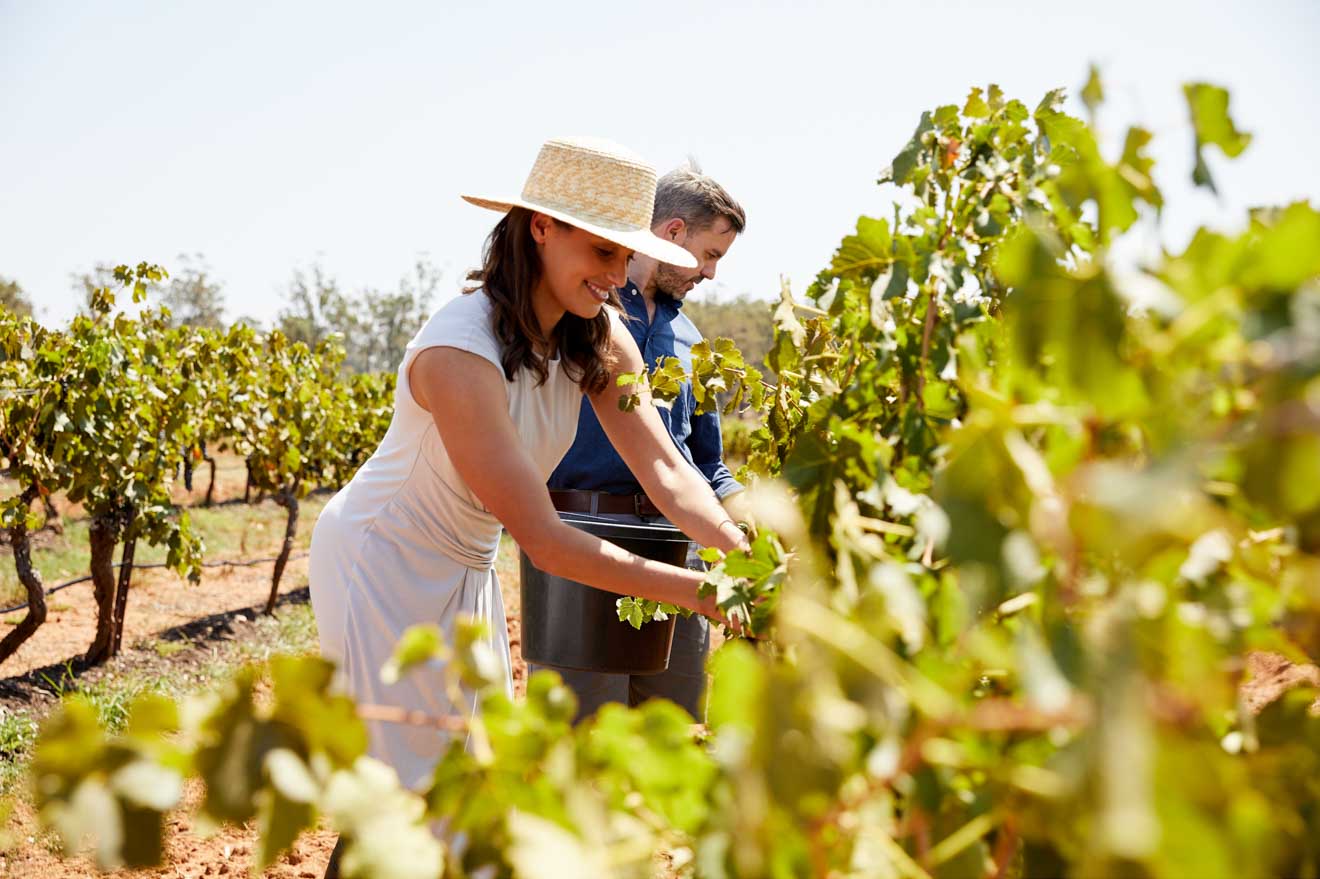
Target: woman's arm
{"x":487,"y":453}
{"x":640,"y":438}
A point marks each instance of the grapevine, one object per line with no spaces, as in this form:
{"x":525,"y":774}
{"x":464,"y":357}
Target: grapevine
{"x":1020,"y":536}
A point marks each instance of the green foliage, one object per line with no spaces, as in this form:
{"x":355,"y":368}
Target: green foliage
{"x":122,"y":427}
{"x":1031,"y":519}
{"x":530,"y":789}
{"x":743,"y":320}
{"x":421,"y":643}
{"x":745,"y":583}
{"x":109,"y":410}
{"x":638,"y":611}
{"x":384,"y":822}
{"x":1018,"y":532}
{"x":32,"y":368}
{"x":109,"y":424}
{"x":291,"y":423}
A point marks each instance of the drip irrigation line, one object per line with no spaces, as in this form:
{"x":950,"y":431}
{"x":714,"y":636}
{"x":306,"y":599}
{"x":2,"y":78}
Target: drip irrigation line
{"x":221,"y":564}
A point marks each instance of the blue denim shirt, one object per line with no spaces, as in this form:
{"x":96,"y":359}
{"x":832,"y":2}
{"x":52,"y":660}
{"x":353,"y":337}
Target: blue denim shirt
{"x":593,"y":465}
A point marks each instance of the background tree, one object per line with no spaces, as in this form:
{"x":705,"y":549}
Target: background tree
{"x":389,"y":320}
{"x":316,"y":308}
{"x":13,"y":298}
{"x":193,"y":296}
{"x":375,"y":325}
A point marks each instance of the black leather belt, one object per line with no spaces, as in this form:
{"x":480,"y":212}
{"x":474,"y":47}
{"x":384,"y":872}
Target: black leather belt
{"x":594,"y":502}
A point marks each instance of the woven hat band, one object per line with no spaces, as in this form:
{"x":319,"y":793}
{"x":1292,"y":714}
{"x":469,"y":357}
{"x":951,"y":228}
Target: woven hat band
{"x":604,"y":188}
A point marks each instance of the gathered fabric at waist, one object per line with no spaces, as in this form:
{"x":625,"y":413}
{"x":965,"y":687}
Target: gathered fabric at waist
{"x":427,"y":518}
{"x":467,"y":534}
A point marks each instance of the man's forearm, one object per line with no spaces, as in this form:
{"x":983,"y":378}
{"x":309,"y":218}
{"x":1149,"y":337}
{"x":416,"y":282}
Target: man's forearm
{"x":735,"y":503}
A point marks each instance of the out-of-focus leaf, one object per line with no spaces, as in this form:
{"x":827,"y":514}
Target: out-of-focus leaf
{"x":1093,"y":93}
{"x":420,"y":643}
{"x":1212,"y":125}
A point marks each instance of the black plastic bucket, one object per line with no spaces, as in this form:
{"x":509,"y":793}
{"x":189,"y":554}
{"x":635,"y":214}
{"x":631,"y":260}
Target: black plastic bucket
{"x":566,"y":624}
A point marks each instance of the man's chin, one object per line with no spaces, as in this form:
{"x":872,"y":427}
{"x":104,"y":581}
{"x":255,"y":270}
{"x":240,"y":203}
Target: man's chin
{"x":681,"y":292}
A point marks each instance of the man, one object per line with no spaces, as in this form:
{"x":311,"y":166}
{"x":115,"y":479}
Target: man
{"x":695,"y":212}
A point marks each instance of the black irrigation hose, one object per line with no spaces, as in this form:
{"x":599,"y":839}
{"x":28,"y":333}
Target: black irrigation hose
{"x":245,"y":564}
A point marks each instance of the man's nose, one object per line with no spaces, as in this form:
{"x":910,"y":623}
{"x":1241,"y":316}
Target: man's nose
{"x":708,"y":271}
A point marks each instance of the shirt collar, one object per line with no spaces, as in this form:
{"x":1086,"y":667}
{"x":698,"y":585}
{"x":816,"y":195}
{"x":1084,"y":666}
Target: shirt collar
{"x":630,"y":289}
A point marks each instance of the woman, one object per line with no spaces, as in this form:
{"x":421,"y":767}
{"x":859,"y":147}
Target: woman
{"x":486,"y":405}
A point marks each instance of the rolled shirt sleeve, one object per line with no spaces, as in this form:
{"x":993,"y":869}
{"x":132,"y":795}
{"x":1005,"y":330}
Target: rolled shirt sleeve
{"x":707,"y":448}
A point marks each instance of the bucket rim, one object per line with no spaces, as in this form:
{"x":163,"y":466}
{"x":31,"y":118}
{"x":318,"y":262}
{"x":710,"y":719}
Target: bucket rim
{"x":659,"y":531}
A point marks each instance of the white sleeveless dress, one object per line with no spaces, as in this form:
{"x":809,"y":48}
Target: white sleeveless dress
{"x":407,"y":542}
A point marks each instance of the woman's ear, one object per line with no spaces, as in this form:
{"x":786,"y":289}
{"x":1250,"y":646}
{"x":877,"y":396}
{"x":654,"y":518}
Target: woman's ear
{"x":540,"y":225}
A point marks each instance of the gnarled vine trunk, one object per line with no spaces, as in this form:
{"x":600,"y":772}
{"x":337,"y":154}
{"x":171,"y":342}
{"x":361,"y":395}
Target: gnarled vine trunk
{"x":286,"y":497}
{"x":31,"y":580}
{"x":247,"y":486}
{"x":125,"y":579}
{"x":210,"y":486}
{"x":102,"y":535}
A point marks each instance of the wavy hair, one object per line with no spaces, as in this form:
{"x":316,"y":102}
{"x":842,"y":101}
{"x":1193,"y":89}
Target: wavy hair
{"x":510,"y":270}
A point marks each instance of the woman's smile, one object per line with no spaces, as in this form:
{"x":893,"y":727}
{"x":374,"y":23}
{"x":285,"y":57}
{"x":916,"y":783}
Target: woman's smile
{"x":601,"y":293}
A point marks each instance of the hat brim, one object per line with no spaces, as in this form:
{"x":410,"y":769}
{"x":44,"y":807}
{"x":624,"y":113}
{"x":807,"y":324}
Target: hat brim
{"x":642,"y":241}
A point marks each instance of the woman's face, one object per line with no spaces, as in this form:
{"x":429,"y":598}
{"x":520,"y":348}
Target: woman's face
{"x":581,"y":271}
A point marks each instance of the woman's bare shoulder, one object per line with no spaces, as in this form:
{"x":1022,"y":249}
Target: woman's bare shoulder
{"x":441,"y":374}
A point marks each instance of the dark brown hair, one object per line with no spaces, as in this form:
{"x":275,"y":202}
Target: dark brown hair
{"x":510,"y":270}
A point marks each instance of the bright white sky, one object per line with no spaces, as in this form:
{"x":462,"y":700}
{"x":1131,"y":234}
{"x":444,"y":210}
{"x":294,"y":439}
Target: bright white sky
{"x":268,"y":135}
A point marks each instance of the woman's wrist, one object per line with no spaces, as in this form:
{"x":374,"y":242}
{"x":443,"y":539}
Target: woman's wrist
{"x":730,"y":531}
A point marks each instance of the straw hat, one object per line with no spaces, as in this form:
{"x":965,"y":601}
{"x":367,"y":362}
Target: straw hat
{"x":598,"y":186}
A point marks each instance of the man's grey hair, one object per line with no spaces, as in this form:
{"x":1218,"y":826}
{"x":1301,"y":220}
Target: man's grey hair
{"x":698,"y":200}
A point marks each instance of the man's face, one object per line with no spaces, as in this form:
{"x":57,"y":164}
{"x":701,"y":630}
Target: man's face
{"x":708,"y":245}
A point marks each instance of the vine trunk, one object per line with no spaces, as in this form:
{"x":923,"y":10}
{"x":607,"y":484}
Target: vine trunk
{"x":125,"y":579}
{"x":102,"y":535}
{"x":31,"y":580}
{"x":286,"y":497}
